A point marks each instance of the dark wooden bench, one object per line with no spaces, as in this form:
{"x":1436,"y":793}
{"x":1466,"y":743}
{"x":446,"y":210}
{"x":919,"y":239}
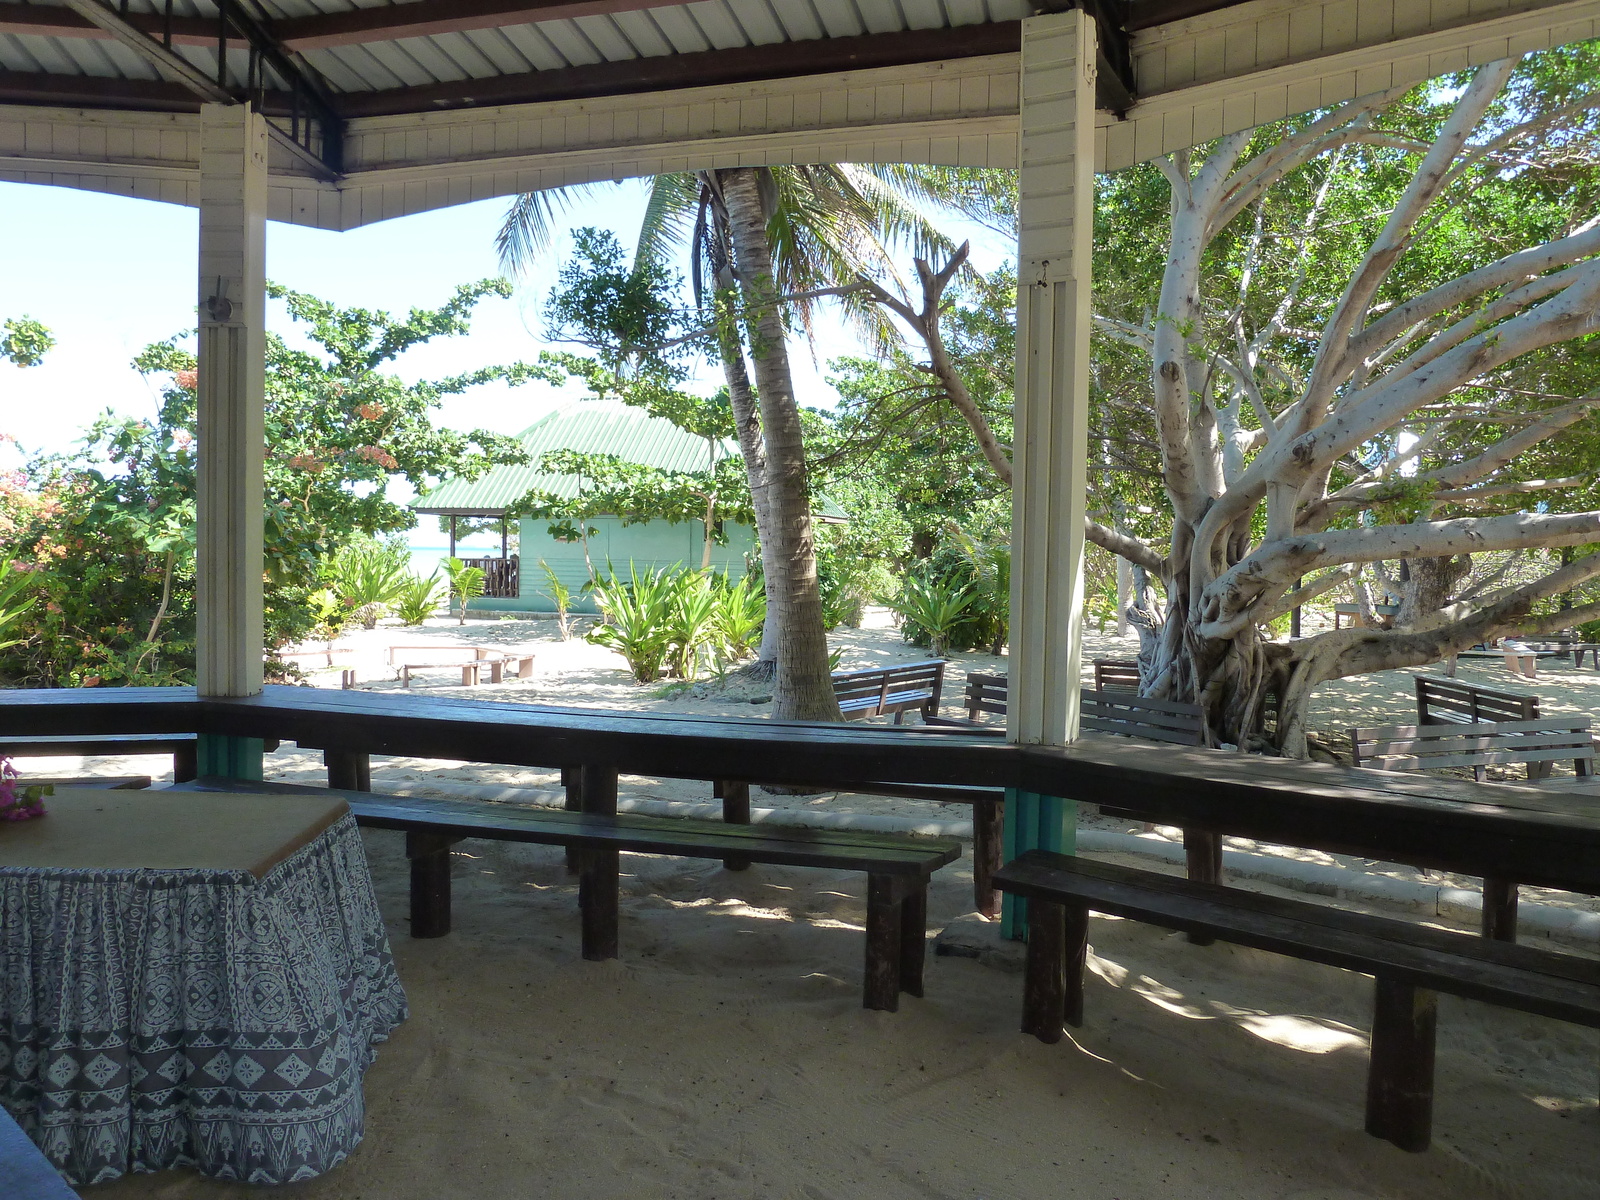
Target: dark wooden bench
{"x":880,"y":691}
{"x":1446,"y":701}
{"x":983,"y":694}
{"x":1411,"y":964}
{"x":182,"y":747}
{"x":1116,"y":673}
{"x":129,"y":783}
{"x":25,"y":1173}
{"x":897,"y":867}
{"x":1480,"y":744}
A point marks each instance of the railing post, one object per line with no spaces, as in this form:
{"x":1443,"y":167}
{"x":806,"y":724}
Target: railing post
{"x":1056,"y":190}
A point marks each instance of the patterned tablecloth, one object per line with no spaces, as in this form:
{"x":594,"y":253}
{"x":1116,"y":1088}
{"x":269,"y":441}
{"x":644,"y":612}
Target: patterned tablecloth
{"x":205,"y":1018}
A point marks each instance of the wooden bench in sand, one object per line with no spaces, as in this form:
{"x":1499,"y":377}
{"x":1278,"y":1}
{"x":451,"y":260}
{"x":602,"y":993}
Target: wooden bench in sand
{"x":897,"y":867}
{"x":898,"y":689}
{"x":495,"y":660}
{"x":1411,"y":964}
{"x":1480,"y":744}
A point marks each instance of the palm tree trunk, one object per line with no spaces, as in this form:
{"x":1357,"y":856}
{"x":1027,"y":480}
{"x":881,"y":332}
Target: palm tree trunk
{"x":747,"y":424}
{"x":804,"y":688}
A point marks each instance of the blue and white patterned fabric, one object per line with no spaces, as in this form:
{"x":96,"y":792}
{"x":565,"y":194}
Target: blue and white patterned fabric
{"x":195,"y":1018}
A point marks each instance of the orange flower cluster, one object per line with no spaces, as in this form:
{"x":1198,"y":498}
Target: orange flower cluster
{"x":188,"y":379}
{"x":377,"y":454}
{"x":371,"y":411}
{"x":308,"y":462}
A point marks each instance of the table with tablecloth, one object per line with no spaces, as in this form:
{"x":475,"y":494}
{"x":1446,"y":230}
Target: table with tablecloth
{"x":190,"y":980}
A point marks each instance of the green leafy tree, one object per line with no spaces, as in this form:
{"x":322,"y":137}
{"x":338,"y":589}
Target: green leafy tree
{"x":112,"y":524}
{"x":25,"y":341}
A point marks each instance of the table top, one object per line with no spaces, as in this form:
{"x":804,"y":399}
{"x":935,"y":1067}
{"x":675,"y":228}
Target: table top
{"x":89,"y":829}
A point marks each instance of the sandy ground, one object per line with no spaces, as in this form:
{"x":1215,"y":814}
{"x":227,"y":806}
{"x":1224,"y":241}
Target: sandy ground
{"x":726,"y":1054}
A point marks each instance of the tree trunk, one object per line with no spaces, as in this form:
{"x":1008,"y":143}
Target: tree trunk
{"x":1430,"y":586}
{"x":747,"y":425}
{"x":804,"y":687}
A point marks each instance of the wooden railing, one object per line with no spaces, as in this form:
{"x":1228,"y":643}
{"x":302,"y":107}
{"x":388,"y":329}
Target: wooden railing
{"x":1542,"y":838}
{"x":502,"y":577}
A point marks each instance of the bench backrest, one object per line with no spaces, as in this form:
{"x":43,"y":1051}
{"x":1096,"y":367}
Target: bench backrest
{"x":985,"y":694}
{"x":882,"y":690}
{"x":1441,"y":701}
{"x":1141,"y":717}
{"x":1115,"y":673}
{"x":1478,"y":744}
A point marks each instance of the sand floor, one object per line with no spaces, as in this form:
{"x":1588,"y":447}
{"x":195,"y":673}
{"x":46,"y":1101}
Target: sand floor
{"x":726,"y":1054}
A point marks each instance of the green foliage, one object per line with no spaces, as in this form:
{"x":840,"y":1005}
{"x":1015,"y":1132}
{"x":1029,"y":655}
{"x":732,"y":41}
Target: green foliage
{"x":14,"y":599}
{"x":25,"y":341}
{"x":417,"y":599}
{"x":561,"y":596}
{"x":466,"y":583}
{"x":677,"y":620}
{"x":740,"y":617}
{"x":934,"y":607}
{"x":113,"y":523}
{"x":637,"y":612}
{"x":368,"y":577}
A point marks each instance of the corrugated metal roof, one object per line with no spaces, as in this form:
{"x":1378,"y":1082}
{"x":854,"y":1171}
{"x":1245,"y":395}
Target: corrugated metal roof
{"x":517,"y":49}
{"x":588,"y":427}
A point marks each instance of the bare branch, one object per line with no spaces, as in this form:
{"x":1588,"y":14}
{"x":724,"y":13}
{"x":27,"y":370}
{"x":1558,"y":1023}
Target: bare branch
{"x":1125,"y":545}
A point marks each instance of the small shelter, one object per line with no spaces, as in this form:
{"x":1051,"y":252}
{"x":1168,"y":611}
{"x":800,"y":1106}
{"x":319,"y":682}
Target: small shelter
{"x":517,"y":582}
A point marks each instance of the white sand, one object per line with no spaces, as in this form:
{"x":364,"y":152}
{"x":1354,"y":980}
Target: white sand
{"x":726,"y":1054}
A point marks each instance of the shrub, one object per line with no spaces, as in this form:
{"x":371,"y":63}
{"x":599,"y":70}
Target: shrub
{"x":936,"y":607}
{"x":636,"y":620}
{"x":466,"y":583}
{"x":561,"y":596}
{"x":741,"y":615}
{"x":368,"y":577}
{"x":417,"y":600}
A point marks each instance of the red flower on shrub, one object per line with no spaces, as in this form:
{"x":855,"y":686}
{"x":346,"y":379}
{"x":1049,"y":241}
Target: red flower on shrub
{"x":187,"y":378}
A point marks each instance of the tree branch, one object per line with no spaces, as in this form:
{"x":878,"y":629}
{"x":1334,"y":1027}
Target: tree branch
{"x":1125,"y":545}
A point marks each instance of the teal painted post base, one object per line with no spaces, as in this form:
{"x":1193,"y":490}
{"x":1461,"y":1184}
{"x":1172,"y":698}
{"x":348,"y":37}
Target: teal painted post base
{"x":231,"y":757}
{"x":1034,"y":822}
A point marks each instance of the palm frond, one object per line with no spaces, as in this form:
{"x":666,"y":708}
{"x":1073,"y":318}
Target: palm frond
{"x":669,"y":214}
{"x":530,"y":224}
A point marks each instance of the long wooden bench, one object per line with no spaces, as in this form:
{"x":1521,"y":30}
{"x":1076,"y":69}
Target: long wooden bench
{"x":880,"y":691}
{"x":1411,"y":964}
{"x":897,"y":867}
{"x":182,"y":747}
{"x":1480,"y":744}
{"x":1116,"y":673}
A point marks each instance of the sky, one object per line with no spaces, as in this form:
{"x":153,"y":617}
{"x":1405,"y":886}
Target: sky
{"x":109,"y":275}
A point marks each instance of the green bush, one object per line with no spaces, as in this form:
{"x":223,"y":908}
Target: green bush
{"x":466,"y":583}
{"x":740,"y":618}
{"x":368,"y":577}
{"x":418,"y":599}
{"x":982,"y":622}
{"x":636,"y":613}
{"x":936,"y":607}
{"x":561,"y":596}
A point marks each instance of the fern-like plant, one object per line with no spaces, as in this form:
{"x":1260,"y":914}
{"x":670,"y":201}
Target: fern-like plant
{"x":466,"y":583}
{"x":934,"y":606}
{"x":637,"y":611}
{"x":418,"y":599}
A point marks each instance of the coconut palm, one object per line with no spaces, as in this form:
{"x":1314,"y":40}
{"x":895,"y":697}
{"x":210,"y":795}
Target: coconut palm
{"x":765,"y":244}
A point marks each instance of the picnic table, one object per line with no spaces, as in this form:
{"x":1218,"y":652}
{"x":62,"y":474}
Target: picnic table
{"x":194,"y":980}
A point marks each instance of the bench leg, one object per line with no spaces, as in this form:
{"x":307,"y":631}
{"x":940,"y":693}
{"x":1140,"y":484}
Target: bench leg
{"x":1500,"y":910}
{"x":1044,"y":987}
{"x":913,"y":937}
{"x":988,"y":848}
{"x":884,"y":908}
{"x":571,"y":782}
{"x":1203,"y":850}
{"x":735,"y":799}
{"x":1400,"y":1079}
{"x":597,"y":902}
{"x":186,"y":763}
{"x":1077,"y":955}
{"x":430,"y":883}
{"x":348,"y":769}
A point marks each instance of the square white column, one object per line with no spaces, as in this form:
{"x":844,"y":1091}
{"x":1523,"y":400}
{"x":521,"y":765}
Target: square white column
{"x":1052,"y":382}
{"x":232,"y":398}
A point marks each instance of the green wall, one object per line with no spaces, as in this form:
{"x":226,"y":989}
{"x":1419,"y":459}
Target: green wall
{"x":648,"y":546}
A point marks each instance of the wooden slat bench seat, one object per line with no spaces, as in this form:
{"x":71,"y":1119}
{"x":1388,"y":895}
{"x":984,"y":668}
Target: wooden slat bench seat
{"x":1116,"y":673}
{"x":182,"y":747}
{"x":897,"y":690}
{"x":1411,"y":963}
{"x":1480,"y":744}
{"x":897,"y":867}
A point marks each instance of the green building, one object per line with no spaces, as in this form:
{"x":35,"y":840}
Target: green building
{"x":516,"y":581}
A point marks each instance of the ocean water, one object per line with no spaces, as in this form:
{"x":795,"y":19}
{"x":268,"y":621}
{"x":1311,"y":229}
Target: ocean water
{"x":425,"y":559}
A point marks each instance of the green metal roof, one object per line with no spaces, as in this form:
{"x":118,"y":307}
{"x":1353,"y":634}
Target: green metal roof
{"x":587,"y":427}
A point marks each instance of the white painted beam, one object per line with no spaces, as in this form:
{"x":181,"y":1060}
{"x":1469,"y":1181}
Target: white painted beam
{"x":1052,"y":385}
{"x":232,"y":397}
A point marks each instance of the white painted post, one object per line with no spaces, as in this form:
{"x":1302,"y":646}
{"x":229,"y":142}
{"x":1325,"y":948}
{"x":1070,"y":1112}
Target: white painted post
{"x":1050,"y":456}
{"x":232,"y":397}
